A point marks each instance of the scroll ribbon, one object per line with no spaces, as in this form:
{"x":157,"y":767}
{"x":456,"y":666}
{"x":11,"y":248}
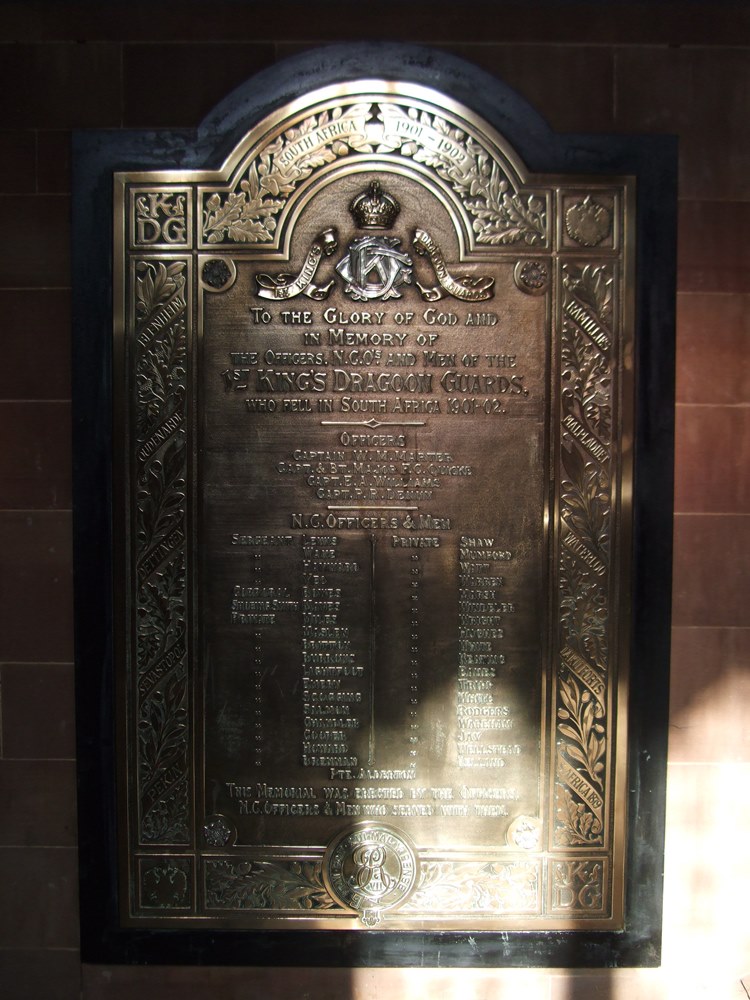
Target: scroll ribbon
{"x":465,"y":287}
{"x":575,"y":780}
{"x":585,"y":673}
{"x":288,"y":286}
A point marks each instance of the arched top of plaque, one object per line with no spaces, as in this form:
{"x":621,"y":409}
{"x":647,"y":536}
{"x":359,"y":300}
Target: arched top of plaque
{"x":361,"y":126}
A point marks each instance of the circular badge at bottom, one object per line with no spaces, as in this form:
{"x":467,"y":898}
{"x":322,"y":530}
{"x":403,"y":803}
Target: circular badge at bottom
{"x":370,"y":868}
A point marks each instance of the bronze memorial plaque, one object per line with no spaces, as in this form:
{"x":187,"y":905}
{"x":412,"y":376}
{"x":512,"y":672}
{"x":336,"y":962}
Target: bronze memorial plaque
{"x":373,"y":451}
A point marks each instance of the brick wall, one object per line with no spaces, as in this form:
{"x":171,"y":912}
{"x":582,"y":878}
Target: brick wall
{"x":623,"y":67}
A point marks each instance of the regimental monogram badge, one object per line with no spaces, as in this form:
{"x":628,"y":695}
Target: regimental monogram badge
{"x":374,"y":267}
{"x":371,"y":869}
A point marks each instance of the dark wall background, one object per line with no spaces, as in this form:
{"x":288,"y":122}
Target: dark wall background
{"x":605,"y":67}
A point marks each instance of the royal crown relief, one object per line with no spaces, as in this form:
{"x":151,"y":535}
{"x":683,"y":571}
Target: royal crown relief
{"x":374,"y":266}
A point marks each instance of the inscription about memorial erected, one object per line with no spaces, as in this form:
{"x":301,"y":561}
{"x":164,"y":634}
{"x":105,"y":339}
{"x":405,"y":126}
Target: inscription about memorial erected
{"x":373,"y":530}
